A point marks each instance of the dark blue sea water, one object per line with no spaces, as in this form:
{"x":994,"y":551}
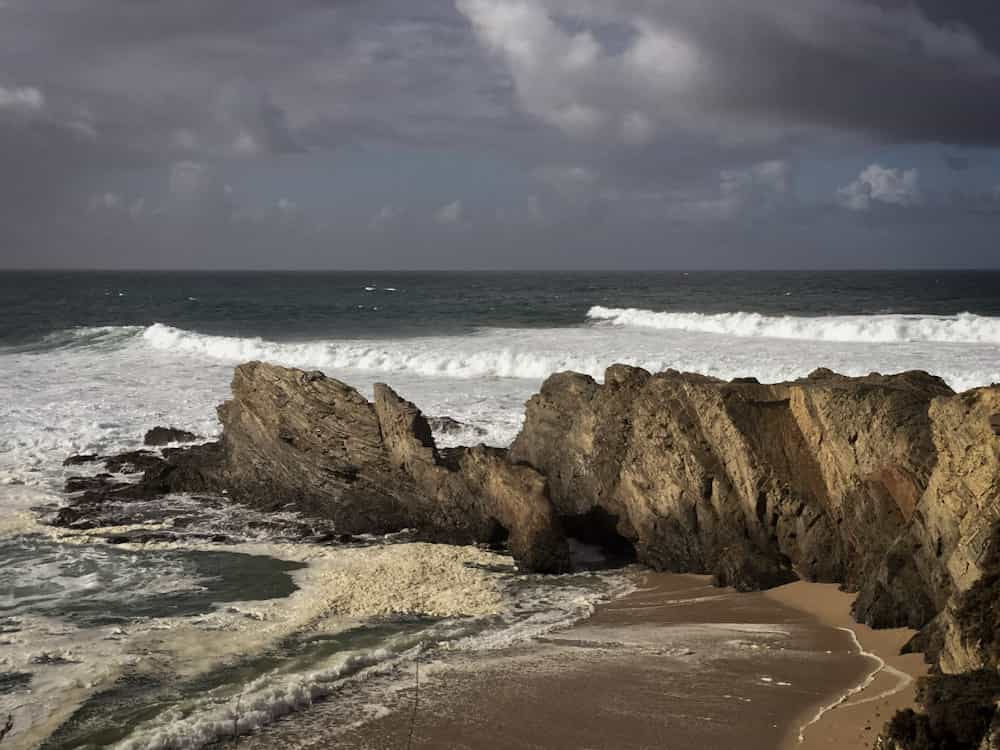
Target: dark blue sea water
{"x":304,"y":305}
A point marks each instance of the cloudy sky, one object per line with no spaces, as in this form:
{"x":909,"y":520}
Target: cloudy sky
{"x":499,"y":133}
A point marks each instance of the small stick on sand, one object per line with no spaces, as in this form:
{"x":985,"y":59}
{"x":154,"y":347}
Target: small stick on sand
{"x":416,"y":702}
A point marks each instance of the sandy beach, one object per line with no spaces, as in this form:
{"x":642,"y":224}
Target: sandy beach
{"x":852,"y":721}
{"x":677,"y":664}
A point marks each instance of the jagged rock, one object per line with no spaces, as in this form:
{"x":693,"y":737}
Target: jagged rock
{"x":887,"y":484}
{"x":884,"y":483}
{"x":474,"y":487}
{"x":131,"y":462}
{"x":301,"y":440}
{"x":166,"y":435}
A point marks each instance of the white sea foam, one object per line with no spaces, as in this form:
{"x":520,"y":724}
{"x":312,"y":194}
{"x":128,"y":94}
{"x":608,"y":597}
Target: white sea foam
{"x":533,"y":354}
{"x":435,"y":358}
{"x":962,"y":328}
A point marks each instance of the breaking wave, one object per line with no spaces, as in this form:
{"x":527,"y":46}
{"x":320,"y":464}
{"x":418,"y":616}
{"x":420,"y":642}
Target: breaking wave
{"x":964,"y":328}
{"x":418,"y":357}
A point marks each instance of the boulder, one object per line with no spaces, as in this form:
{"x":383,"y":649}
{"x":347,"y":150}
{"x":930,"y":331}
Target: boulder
{"x":166,"y":435}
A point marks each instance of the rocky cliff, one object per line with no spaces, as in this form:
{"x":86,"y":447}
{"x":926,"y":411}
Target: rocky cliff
{"x":889,"y":485}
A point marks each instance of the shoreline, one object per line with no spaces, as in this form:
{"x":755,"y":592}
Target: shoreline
{"x":854,"y":718}
{"x":676,"y":663}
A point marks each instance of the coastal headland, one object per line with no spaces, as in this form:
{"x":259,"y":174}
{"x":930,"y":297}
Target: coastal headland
{"x":878,"y":496}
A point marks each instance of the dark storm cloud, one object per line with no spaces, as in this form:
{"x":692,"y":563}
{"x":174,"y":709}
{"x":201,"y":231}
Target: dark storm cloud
{"x":749,"y":71}
{"x":619,"y":113}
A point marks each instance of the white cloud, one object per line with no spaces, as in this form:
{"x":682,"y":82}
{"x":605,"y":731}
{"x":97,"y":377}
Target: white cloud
{"x":26,"y":100}
{"x":449,"y":214}
{"x":878,"y":184}
{"x":569,"y":80}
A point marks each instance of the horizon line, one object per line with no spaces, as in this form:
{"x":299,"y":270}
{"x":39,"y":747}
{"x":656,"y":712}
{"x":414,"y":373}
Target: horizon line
{"x":896,"y":269}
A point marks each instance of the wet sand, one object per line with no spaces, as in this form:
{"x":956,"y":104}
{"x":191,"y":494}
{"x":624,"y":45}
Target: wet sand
{"x":891,"y":685}
{"x":678,"y":664}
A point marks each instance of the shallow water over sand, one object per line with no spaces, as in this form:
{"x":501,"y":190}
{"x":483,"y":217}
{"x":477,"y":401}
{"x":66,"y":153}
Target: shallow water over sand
{"x":677,"y":664}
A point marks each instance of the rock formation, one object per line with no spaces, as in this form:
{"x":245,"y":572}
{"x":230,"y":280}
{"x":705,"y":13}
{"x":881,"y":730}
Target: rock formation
{"x":303,"y":441}
{"x":167,"y":435}
{"x":889,"y":485}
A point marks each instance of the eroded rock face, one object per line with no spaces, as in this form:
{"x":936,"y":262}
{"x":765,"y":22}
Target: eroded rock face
{"x":474,"y":489}
{"x":303,"y":441}
{"x":888,"y":484}
{"x":885,"y":483}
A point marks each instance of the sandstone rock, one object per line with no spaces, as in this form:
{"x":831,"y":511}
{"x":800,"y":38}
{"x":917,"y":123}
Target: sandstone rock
{"x":300,"y":440}
{"x":474,"y":488}
{"x":883,"y":483}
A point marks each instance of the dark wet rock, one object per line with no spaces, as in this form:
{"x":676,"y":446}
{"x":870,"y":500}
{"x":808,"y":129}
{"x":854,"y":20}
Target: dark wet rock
{"x":141,"y":536}
{"x":131,"y":462}
{"x":11,"y":682}
{"x":80,"y":459}
{"x":165,"y":435}
{"x":51,"y":660}
{"x":959,"y":713}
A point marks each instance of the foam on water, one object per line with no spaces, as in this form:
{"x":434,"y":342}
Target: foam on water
{"x":465,"y":598}
{"x":727,"y":350}
{"x":957,"y":329}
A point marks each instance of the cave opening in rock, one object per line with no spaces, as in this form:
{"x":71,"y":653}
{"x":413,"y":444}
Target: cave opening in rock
{"x":498,"y":536}
{"x":595,"y":541}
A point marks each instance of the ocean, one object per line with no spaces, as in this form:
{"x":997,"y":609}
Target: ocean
{"x":176,"y":645}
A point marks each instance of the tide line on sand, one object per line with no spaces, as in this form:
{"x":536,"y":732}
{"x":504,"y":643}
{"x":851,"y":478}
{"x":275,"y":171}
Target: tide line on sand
{"x":842,"y":701}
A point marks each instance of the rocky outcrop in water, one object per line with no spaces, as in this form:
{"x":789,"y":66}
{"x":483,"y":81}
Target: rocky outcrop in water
{"x":305,"y":442}
{"x":887,"y":484}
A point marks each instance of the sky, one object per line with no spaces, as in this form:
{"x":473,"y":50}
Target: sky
{"x":499,"y":134}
